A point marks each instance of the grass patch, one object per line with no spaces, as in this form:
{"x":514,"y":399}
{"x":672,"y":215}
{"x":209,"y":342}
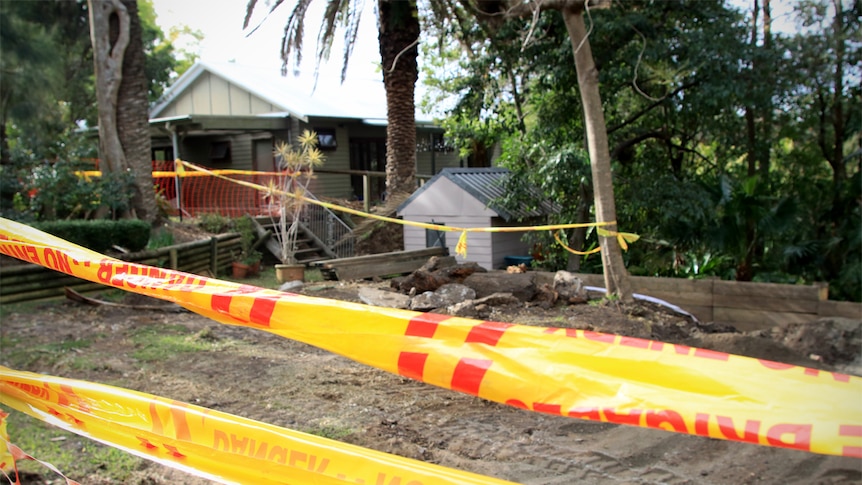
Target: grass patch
{"x":19,"y":355}
{"x":161,"y":342}
{"x":330,"y":431}
{"x":77,"y":457}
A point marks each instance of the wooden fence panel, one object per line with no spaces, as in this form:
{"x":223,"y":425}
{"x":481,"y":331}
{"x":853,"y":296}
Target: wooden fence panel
{"x":27,"y":282}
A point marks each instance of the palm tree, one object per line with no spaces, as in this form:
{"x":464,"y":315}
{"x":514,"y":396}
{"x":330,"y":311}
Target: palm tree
{"x":121,"y":90}
{"x":398,"y":36}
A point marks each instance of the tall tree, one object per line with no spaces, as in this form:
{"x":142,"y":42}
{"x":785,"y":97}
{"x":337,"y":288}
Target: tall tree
{"x":492,"y":15}
{"x":121,"y":89}
{"x":398,"y":37}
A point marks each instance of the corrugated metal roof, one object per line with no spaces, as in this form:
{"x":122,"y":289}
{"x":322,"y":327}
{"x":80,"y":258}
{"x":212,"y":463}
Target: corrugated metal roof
{"x":486,"y":185}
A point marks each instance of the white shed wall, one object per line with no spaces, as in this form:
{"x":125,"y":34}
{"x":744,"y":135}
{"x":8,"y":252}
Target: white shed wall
{"x":479,"y":248}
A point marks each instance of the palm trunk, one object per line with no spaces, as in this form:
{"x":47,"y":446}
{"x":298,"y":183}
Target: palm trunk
{"x":399,"y":35}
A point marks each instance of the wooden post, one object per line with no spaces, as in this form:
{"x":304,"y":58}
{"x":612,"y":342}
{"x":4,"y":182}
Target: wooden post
{"x":173,"y":259}
{"x":214,"y":255}
{"x":366,"y":193}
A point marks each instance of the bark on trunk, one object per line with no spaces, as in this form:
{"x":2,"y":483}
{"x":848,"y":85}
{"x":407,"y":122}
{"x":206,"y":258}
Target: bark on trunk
{"x":616,"y":276}
{"x":121,"y":93}
{"x":398,"y":31}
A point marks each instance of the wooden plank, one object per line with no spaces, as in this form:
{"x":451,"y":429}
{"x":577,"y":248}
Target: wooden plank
{"x":385,"y":257}
{"x":371,"y":269}
{"x":769,"y":290}
{"x":749,"y":320}
{"x":646,"y":284}
{"x":749,"y":302}
{"x":844,"y":309}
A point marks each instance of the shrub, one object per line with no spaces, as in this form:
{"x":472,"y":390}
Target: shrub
{"x":100,"y":235}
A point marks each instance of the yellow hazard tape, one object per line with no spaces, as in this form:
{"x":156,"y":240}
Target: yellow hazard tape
{"x":569,"y":372}
{"x":208,"y":443}
{"x":460,"y":248}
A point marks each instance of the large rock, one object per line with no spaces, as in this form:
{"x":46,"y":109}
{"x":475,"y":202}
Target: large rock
{"x":383,"y":298}
{"x":569,"y":288}
{"x":521,"y":285}
{"x":455,"y":293}
{"x":427,"y":301}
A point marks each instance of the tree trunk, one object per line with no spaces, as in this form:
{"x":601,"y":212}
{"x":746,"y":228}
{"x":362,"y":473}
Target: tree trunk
{"x":121,"y":92}
{"x":398,"y":30}
{"x":616,"y":276}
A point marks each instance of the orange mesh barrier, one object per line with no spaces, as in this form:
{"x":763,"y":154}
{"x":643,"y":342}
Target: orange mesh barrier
{"x":201,"y":193}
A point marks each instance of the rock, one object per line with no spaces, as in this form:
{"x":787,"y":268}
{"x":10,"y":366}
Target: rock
{"x":435,"y":263}
{"x":455,"y":293}
{"x":466,"y":309}
{"x":291,"y":285}
{"x":498,"y":299}
{"x":426,"y":301}
{"x":382,"y":298}
{"x":522,"y":285}
{"x":569,"y":287}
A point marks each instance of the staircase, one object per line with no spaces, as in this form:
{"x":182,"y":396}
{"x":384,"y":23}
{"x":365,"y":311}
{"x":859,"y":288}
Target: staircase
{"x":322,"y":235}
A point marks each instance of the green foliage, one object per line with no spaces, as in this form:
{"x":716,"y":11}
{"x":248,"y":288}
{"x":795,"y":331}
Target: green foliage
{"x":772,"y":196}
{"x":46,"y":60}
{"x":100,"y":235}
{"x":213,"y":223}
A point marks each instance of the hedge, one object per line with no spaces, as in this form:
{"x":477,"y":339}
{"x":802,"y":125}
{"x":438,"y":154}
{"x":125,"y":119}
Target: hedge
{"x":99,"y":235}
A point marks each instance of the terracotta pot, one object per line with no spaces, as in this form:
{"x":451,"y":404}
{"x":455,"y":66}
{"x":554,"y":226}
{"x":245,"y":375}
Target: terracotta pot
{"x":240,"y":270}
{"x":289,"y":272}
{"x":254,"y":269}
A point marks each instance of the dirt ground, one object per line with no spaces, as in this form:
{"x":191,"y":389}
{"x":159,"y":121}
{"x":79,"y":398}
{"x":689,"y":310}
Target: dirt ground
{"x":261,"y":376}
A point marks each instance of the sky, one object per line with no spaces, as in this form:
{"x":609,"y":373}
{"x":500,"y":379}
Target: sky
{"x":225,"y":40}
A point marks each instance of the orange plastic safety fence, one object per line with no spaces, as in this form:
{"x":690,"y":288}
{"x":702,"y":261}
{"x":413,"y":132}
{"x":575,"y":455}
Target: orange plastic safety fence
{"x":201,"y":193}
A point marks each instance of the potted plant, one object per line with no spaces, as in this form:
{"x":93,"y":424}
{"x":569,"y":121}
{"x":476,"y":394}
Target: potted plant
{"x":247,"y":262}
{"x":297,"y":164}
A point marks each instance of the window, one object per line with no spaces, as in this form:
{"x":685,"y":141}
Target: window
{"x":433,"y":238}
{"x":326,"y":138}
{"x":220,"y":151}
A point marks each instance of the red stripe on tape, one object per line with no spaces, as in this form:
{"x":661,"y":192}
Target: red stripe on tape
{"x":487,"y":333}
{"x":262,"y":309}
{"x":424,"y":325}
{"x":468,"y":375}
{"x":221,"y":303}
{"x":412,"y":364}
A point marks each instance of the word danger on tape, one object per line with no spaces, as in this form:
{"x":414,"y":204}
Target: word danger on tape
{"x":209,"y":443}
{"x":567,"y":372}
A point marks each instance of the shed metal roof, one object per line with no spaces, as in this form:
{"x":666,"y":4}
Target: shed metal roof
{"x":487,"y":185}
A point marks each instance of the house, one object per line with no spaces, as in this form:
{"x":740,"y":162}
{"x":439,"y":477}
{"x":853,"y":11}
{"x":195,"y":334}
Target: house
{"x":465,"y":197}
{"x":231,"y":116}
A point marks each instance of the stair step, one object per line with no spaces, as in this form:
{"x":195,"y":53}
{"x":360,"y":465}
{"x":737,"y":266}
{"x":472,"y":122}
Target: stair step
{"x":308,"y":250}
{"x":315,"y":259}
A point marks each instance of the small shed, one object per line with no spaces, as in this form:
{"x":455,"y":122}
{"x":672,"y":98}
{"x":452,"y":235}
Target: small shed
{"x":464,"y":197}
